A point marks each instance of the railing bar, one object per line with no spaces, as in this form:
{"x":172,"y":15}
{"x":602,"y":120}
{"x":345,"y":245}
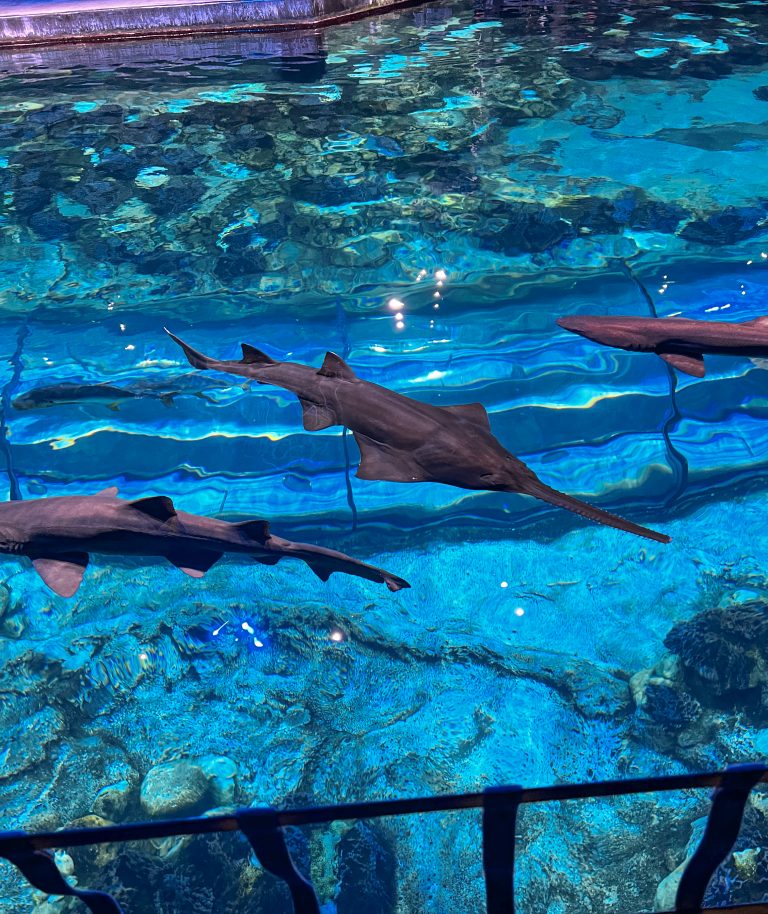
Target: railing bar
{"x":373,"y":809}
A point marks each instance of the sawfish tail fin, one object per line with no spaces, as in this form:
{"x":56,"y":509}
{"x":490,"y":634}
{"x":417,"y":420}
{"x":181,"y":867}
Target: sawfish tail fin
{"x":538,"y":490}
{"x":324,"y":562}
{"x":253,"y":358}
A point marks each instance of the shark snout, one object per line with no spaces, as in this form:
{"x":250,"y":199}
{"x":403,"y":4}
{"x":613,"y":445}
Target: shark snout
{"x":575,"y":324}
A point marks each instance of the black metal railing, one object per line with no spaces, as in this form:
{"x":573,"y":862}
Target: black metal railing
{"x":263,"y":828}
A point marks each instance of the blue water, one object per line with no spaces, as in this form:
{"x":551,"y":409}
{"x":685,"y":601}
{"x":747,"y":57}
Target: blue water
{"x":490,"y":169}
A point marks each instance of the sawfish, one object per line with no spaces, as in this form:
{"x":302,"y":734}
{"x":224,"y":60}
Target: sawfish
{"x":682,"y":342}
{"x":59,"y":534}
{"x":402,"y":439}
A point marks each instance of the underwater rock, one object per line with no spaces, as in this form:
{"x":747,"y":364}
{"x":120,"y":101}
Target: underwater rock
{"x":112,"y":801}
{"x":633,"y":209}
{"x":668,"y":707}
{"x":724,"y":650}
{"x":529,"y":227}
{"x":189,"y":787}
{"x":367,"y":868}
{"x":174,"y":788}
{"x":734,"y":223}
{"x":26,"y":736}
{"x":221,"y":773}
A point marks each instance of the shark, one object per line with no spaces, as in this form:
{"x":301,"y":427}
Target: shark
{"x":59,"y":535}
{"x":682,"y":342}
{"x":109,"y":395}
{"x":402,"y":439}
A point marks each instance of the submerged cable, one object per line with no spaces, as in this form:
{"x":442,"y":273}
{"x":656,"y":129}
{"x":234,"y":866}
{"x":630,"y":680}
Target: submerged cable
{"x":677,"y":460}
{"x":341,"y":320}
{"x":14,"y":490}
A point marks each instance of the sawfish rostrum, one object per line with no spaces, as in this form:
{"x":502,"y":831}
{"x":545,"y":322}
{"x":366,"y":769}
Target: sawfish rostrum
{"x":404,"y":440}
{"x":60,"y":534}
{"x":681,"y":341}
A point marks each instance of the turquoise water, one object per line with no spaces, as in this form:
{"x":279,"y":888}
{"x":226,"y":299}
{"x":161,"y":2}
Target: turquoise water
{"x":490,"y":169}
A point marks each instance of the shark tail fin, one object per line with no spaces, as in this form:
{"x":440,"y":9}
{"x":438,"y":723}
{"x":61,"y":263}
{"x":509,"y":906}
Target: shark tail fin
{"x":196,"y":359}
{"x":538,"y":490}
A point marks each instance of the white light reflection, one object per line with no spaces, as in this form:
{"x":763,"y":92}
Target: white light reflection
{"x":394,"y":304}
{"x":337,"y":635}
{"x":216,"y":631}
{"x":519,"y":611}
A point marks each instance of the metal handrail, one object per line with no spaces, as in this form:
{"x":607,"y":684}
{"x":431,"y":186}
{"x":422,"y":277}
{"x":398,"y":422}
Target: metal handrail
{"x":263,"y":827}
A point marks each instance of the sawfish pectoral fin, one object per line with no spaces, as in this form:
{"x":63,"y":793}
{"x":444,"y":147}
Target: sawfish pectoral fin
{"x":470,"y":412}
{"x":109,"y":492}
{"x":194,"y":562}
{"x":317,"y":416}
{"x":384,"y":463}
{"x":63,"y":573}
{"x":691,"y":363}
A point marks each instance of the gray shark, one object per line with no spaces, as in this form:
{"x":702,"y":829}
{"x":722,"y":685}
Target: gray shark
{"x":404,"y":440}
{"x":681,"y":342}
{"x":59,"y":534}
{"x":109,"y":395}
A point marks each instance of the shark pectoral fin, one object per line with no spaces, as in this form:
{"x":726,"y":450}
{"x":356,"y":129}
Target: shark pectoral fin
{"x":254,"y":356}
{"x":158,"y":506}
{"x":256,"y":530}
{"x":194,"y":562}
{"x":115,"y":407}
{"x":471,"y":412}
{"x":166,"y":399}
{"x":63,"y":573}
{"x":110,"y":492}
{"x":691,"y":363}
{"x":322,"y":571}
{"x":335,"y":367}
{"x":384,"y":463}
{"x":267,"y":559}
{"x":317,"y":417}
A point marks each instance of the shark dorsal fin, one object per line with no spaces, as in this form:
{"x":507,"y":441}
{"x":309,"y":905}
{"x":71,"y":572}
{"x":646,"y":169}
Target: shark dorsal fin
{"x":158,"y":506}
{"x":317,"y":416}
{"x":335,"y":367}
{"x":254,"y":356}
{"x":692,"y":363}
{"x":63,"y":573}
{"x":109,"y":492}
{"x":470,"y":412}
{"x":256,"y":530}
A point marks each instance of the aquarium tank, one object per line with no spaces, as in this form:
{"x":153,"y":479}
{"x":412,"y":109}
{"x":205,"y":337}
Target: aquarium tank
{"x":481,"y":500}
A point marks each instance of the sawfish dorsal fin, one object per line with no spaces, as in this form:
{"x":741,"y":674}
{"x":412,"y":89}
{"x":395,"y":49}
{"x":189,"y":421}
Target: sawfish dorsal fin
{"x":254,"y":356}
{"x":256,"y":530}
{"x":760,"y":321}
{"x":335,"y":367}
{"x":691,"y":363}
{"x":109,"y":492}
{"x":317,"y":416}
{"x":377,"y":461}
{"x":158,"y":506}
{"x":470,"y":412}
{"x":63,"y":573}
